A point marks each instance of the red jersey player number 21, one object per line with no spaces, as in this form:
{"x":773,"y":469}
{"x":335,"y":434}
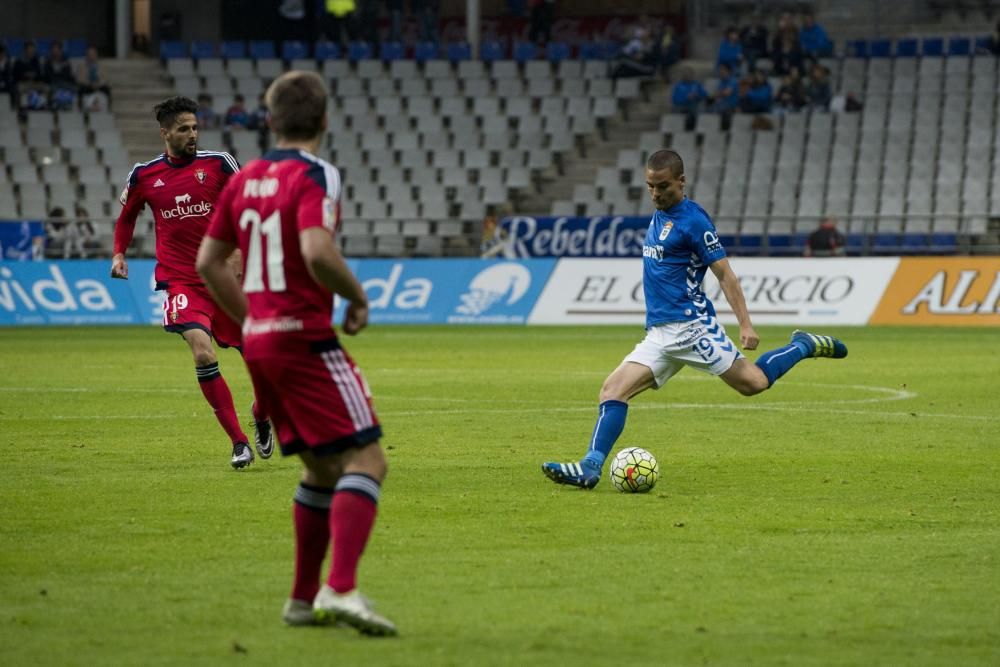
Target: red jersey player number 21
{"x":282,"y":212}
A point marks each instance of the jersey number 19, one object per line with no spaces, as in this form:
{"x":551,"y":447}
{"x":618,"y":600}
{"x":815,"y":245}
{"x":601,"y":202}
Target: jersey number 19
{"x":270,"y":228}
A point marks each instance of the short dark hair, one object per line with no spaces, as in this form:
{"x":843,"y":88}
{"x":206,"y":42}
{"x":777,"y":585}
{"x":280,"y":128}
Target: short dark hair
{"x":296,"y":102}
{"x":666,"y":159}
{"x":168,"y":110}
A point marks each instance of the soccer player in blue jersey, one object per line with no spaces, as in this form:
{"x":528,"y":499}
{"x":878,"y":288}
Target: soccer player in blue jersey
{"x":681,"y":328}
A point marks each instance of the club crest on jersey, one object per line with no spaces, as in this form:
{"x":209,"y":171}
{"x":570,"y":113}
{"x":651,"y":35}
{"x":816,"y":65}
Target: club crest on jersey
{"x":665,"y":232}
{"x":200,"y":175}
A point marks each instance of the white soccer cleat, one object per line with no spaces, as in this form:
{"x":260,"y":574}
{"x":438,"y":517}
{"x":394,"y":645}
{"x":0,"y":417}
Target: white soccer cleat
{"x":242,"y":455}
{"x":354,"y":609}
{"x":298,"y":612}
{"x":263,"y":437}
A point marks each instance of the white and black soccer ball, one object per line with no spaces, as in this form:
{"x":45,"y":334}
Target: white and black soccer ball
{"x":634,"y":470}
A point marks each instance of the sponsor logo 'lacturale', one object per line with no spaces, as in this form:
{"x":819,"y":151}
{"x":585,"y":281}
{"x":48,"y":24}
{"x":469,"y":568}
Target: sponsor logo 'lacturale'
{"x":184,"y":210}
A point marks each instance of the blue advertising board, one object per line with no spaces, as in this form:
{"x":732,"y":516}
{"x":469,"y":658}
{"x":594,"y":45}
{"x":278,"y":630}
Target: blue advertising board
{"x":20,"y":240}
{"x":412,"y":291}
{"x":455,"y":291}
{"x":608,"y":236}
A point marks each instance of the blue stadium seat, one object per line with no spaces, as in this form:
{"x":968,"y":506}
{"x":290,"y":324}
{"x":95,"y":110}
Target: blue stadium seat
{"x":557,"y":51}
{"x":15,"y":46}
{"x":491,"y":51}
{"x":982,"y":43}
{"x":886,"y":244}
{"x":525,"y":51}
{"x":43,"y":46}
{"x":424,"y":51}
{"x":914,"y":244}
{"x":880,"y":48}
{"x":327,"y":51}
{"x":593,"y":51}
{"x":727,"y":240}
{"x":944,"y":243}
{"x":749,"y":244}
{"x":855,"y":244}
{"x":171,"y":49}
{"x":459,"y":51}
{"x":294,"y":50}
{"x":959,"y":46}
{"x":202,"y":49}
{"x":933,"y":46}
{"x":392,"y":51}
{"x":359,"y":51}
{"x":76,"y":48}
{"x":857,"y":48}
{"x":262,"y":48}
{"x":906,"y":48}
{"x":234,"y":49}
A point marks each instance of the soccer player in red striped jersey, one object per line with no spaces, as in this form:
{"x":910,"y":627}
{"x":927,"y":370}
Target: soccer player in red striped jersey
{"x":181,"y":187}
{"x":282,"y":212}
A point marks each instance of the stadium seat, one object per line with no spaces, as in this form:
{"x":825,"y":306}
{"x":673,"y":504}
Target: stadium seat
{"x":293,"y":50}
{"x":556,"y":52}
{"x":524,"y":51}
{"x":959,"y":46}
{"x":261,"y":49}
{"x":15,"y":46}
{"x":880,"y":48}
{"x":43,"y":45}
{"x":593,"y":51}
{"x":425,"y":51}
{"x":327,"y":51}
{"x":932,"y":46}
{"x":202,"y":49}
{"x":170,"y":49}
{"x":856,"y":48}
{"x":392,"y":51}
{"x":459,"y":51}
{"x":233,"y":49}
{"x":75,"y":48}
{"x":359,"y":51}
{"x":491,"y":51}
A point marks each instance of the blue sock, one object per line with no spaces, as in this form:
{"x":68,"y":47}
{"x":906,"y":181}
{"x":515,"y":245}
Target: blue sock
{"x":610,"y":423}
{"x":778,"y":362}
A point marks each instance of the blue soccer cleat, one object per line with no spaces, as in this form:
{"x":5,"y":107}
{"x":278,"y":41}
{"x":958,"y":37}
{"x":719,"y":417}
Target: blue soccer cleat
{"x":820,"y":346}
{"x":574,"y":474}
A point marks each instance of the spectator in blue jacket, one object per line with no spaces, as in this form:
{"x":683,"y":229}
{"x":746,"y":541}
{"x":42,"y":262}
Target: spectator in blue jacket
{"x":731,"y":50}
{"x":818,"y":89}
{"x":688,"y":97}
{"x":754,"y":40}
{"x":726,"y":97}
{"x":757,"y":98}
{"x":813,"y":39}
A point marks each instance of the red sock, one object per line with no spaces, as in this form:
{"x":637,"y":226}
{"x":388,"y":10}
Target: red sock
{"x":217,"y":394}
{"x":352,"y":515}
{"x":311,"y":515}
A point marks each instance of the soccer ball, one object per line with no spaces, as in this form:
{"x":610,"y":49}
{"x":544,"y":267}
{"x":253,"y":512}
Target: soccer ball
{"x":634,"y":470}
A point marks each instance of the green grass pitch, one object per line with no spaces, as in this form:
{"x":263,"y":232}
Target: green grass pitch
{"x":849,"y":516}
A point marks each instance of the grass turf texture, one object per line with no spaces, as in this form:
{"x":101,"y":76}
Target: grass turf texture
{"x":848,"y":516}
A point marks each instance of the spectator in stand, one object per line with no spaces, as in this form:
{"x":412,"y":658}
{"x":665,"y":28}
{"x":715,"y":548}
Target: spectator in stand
{"x":818,"y":89}
{"x":92,"y":82}
{"x":426,"y":12}
{"x":637,"y":57}
{"x":206,"y":116}
{"x":687,"y":97}
{"x":786,"y":29}
{"x":237,"y":117}
{"x":542,"y":16}
{"x":993,"y":45}
{"x":826,"y":241}
{"x":730,"y":51}
{"x":62,"y":82}
{"x":813,"y":39}
{"x":258,"y":117}
{"x":56,"y":237}
{"x":6,"y":73}
{"x":339,"y":22}
{"x":83,"y":236}
{"x":31,"y":91}
{"x":788,"y":56}
{"x":395,"y":10}
{"x":759,"y":94}
{"x":667,"y":50}
{"x":753,"y":37}
{"x":726,"y":98}
{"x":792,"y":93}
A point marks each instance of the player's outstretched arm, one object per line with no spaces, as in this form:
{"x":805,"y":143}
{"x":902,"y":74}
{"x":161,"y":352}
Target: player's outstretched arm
{"x":215,"y":269}
{"x":730,"y":285}
{"x":327,"y":267}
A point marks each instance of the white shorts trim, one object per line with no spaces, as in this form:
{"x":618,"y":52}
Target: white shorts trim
{"x":701,"y":344}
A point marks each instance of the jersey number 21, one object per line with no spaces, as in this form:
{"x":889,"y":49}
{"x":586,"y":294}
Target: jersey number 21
{"x":270,"y":229}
